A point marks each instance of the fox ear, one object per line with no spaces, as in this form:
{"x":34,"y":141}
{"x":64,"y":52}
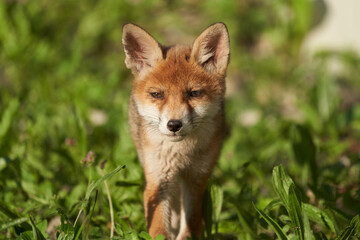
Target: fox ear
{"x":141,"y":49}
{"x":211,"y":49}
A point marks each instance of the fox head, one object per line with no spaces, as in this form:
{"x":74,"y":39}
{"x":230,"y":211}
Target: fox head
{"x":179,"y":89}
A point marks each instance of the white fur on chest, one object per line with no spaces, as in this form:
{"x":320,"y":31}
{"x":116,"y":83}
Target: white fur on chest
{"x":167,"y":160}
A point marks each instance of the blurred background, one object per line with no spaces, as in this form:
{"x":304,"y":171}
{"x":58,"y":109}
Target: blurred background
{"x":293,"y":92}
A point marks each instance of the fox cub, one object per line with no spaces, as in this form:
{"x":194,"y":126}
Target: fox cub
{"x":176,"y":117}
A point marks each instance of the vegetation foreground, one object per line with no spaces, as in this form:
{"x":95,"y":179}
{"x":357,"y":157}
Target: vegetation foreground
{"x":289,"y":168}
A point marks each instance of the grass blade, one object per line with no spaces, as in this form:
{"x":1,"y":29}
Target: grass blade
{"x":207,"y":211}
{"x":81,"y":129}
{"x":352,"y":230}
{"x":244,"y":221}
{"x":13,"y":223}
{"x":217,"y":202}
{"x":305,"y":150}
{"x":320,"y":236}
{"x":96,"y":183}
{"x":8,"y":212}
{"x":36,"y":232}
{"x":273,"y":204}
{"x":7,"y":118}
{"x":281,"y":183}
{"x":274,"y":225}
{"x":295,"y":213}
{"x":128,"y":183}
{"x":79,"y":230}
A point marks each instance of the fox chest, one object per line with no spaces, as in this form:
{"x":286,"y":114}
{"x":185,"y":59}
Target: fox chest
{"x":168,"y":160}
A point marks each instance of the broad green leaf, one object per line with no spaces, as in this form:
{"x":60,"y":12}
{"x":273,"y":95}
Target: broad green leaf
{"x":318,"y":216}
{"x":42,"y":227}
{"x":295,"y":213}
{"x":36,"y":232}
{"x":66,"y":229}
{"x":339,"y":218}
{"x":308,"y":234}
{"x":281,"y":183}
{"x":273,"y":224}
{"x":28,"y":235}
{"x":160,"y":237}
{"x":286,"y":229}
{"x":133,"y":236}
{"x":145,"y":235}
{"x":285,"y":219}
{"x":352,"y":230}
{"x":122,"y":226}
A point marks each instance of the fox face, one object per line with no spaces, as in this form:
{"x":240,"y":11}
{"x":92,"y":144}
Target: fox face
{"x":175,"y":99}
{"x":177,"y":90}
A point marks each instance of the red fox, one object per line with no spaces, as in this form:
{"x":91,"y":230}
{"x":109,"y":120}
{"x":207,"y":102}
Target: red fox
{"x":176,"y":118}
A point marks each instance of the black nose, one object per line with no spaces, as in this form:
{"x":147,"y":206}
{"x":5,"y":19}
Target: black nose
{"x":174,"y":125}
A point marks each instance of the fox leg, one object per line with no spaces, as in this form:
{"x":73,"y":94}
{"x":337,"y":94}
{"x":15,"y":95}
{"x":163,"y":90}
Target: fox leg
{"x":162,"y":209}
{"x":154,"y":211}
{"x":192,"y":191}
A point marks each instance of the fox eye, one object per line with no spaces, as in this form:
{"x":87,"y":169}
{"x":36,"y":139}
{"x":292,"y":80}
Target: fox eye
{"x":196,"y":94}
{"x":157,"y":95}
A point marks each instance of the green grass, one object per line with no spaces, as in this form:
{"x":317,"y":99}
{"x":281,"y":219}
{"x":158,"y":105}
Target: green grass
{"x":288,"y":170}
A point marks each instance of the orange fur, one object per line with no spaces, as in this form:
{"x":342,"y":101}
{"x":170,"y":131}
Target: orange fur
{"x":176,"y":117}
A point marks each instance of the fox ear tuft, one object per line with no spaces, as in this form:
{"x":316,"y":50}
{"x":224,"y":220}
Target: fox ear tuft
{"x":141,"y":49}
{"x":211,"y":49}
